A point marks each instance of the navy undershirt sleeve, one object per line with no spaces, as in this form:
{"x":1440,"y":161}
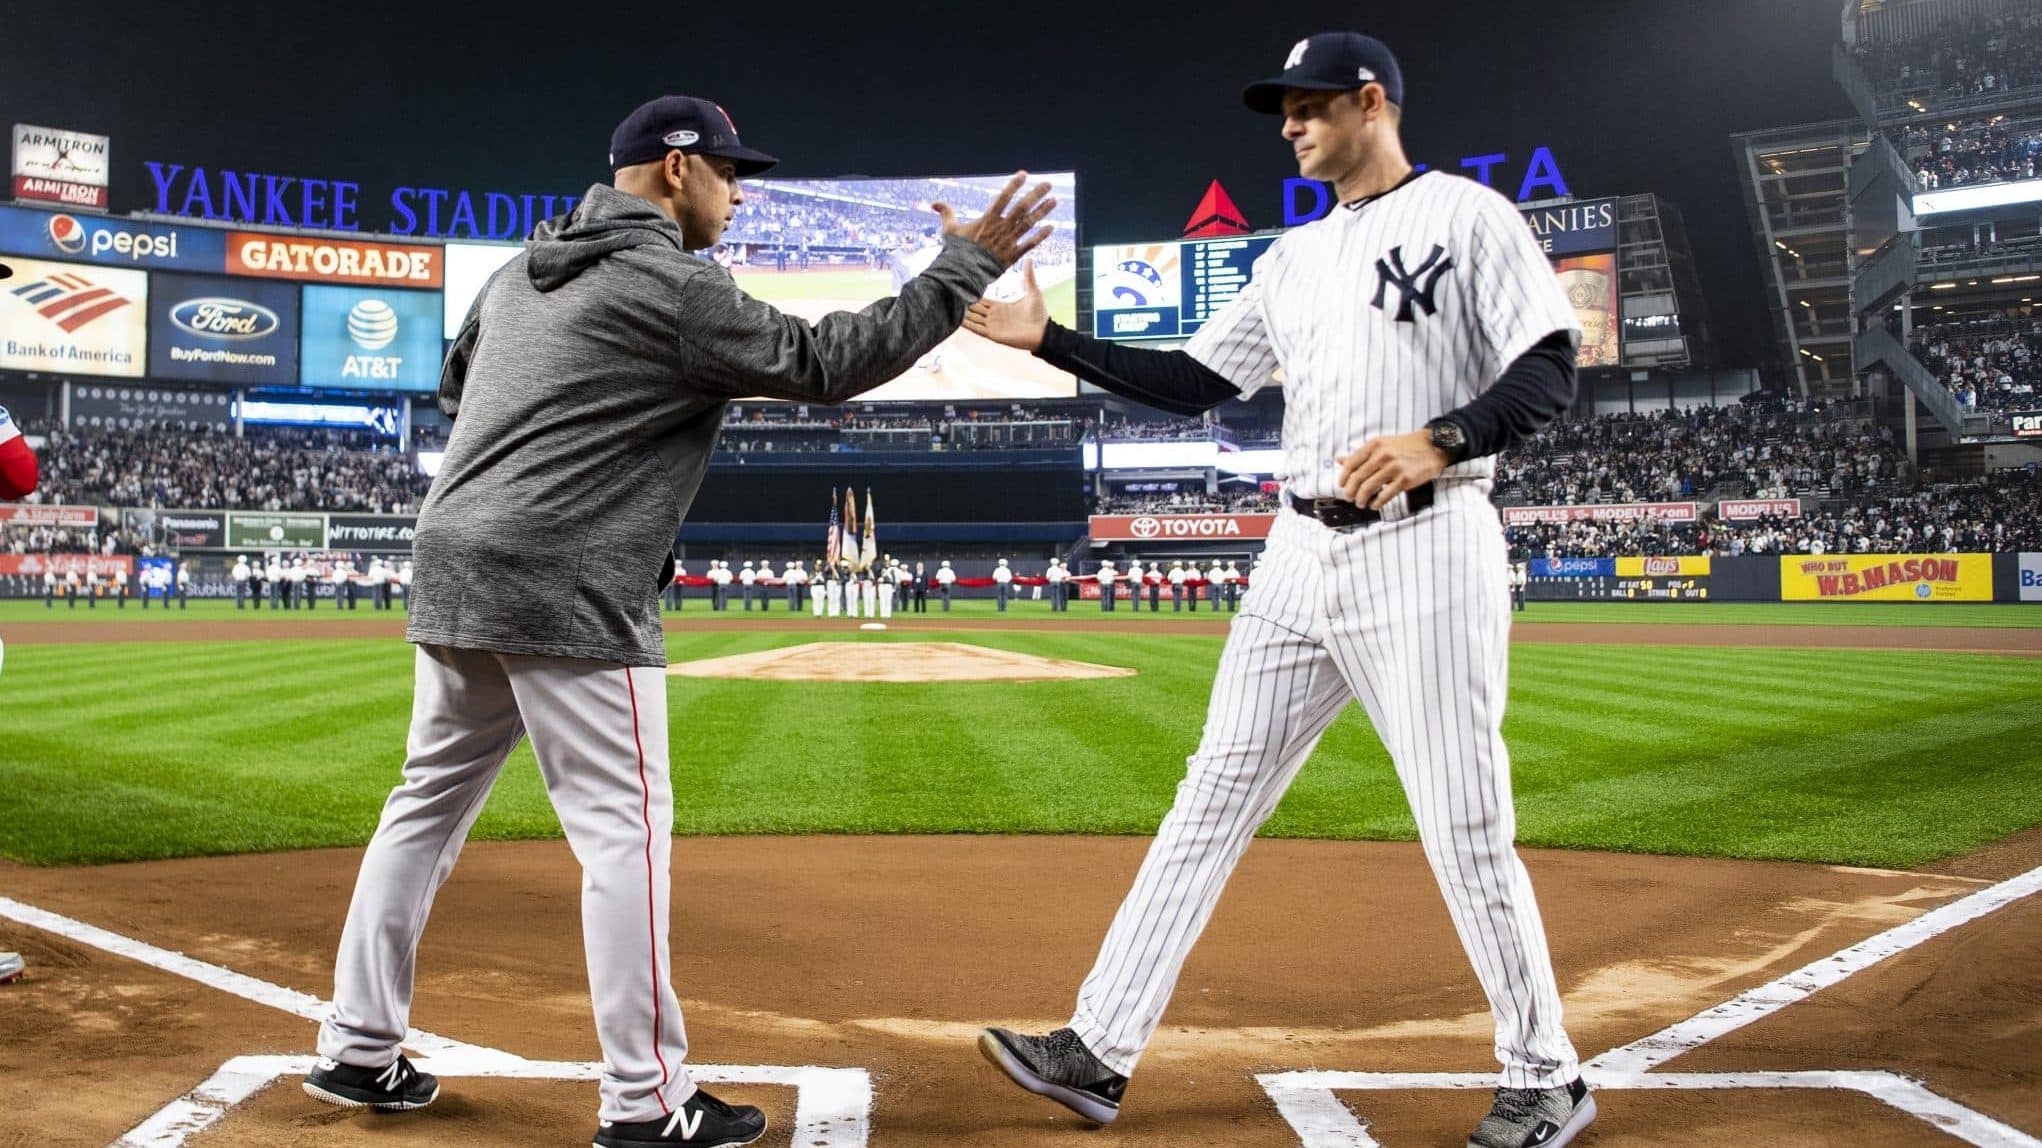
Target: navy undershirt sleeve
{"x":1166,"y":380}
{"x":1536,"y":389}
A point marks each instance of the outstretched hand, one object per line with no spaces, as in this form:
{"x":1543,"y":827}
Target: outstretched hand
{"x":1009,"y":228}
{"x":1016,"y":324}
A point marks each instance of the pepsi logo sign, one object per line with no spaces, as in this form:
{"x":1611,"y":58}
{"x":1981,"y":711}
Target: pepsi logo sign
{"x":67,"y":234}
{"x":217,"y":318}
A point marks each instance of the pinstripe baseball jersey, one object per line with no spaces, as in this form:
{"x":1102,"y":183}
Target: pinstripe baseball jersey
{"x":1385,"y":314}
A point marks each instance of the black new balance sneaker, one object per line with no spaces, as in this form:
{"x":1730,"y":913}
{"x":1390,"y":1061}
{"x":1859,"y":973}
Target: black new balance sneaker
{"x":397,"y":1087}
{"x":1058,"y":1066}
{"x":1535,"y":1117}
{"x":703,"y":1121}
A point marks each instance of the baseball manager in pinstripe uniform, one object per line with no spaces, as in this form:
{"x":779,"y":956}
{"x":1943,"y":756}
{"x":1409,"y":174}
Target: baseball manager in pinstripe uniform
{"x":1420,"y":331}
{"x":587,"y":385}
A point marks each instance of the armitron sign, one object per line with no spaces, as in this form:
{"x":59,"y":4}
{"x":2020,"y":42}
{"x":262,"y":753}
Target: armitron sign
{"x":1180,"y":527}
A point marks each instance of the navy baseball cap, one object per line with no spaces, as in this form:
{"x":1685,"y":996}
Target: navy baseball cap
{"x":1330,"y":62}
{"x":686,"y":124}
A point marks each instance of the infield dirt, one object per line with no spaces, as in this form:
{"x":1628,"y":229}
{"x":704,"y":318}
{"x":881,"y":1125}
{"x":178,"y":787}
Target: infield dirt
{"x":887,"y":954}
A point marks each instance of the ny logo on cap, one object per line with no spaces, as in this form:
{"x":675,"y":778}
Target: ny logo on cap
{"x":1409,"y":288}
{"x":1297,"y":55}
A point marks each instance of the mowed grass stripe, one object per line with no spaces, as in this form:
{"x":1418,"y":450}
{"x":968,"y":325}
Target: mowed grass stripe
{"x":1864,"y":757}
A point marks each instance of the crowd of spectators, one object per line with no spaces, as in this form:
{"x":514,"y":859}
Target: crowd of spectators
{"x":1167,"y":499}
{"x":1973,"y":151}
{"x":1980,"y":56}
{"x":863,"y":221}
{"x":2001,"y":512}
{"x":276,"y":470}
{"x":1992,"y":363}
{"x":1756,"y":449}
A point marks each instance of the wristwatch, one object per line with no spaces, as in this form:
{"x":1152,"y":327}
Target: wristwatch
{"x":1448,"y":436}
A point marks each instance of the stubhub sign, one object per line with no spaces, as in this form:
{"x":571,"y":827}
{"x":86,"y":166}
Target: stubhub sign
{"x":105,"y":239}
{"x":369,"y":339}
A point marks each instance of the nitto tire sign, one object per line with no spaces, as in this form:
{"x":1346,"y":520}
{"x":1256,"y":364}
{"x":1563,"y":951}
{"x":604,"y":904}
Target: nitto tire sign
{"x":371,"y":532}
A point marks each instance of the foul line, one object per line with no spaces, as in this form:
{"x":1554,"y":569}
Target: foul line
{"x":1307,"y":1103}
{"x":1755,"y":1004}
{"x":833,"y":1106}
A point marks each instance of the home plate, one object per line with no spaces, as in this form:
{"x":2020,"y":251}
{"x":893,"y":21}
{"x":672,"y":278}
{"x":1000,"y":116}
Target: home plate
{"x":893,"y":662}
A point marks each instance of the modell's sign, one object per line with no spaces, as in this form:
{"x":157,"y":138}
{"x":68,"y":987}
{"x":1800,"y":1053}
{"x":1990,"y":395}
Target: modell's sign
{"x":333,"y":260}
{"x":1746,"y":509}
{"x":57,"y":166}
{"x":1612,"y":512}
{"x":1179,"y":527}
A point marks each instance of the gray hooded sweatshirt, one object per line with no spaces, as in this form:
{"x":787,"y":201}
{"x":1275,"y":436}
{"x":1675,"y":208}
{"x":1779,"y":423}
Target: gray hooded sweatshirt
{"x":587,"y":386}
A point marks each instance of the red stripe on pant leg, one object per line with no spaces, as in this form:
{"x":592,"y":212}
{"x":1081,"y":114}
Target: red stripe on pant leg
{"x":651,"y":916}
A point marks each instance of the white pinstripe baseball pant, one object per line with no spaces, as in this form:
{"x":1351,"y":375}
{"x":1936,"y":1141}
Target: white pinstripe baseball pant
{"x":1413,"y":618}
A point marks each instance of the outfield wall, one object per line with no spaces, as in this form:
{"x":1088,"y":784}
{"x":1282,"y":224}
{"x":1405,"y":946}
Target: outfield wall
{"x":1918,"y":579}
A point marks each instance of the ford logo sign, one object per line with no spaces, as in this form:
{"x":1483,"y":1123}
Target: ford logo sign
{"x":223,"y":319}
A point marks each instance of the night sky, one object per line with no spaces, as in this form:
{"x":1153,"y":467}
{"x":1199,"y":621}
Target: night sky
{"x":1143,"y":100}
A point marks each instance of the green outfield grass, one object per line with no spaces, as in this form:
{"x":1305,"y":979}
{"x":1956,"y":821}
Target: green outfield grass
{"x":983,"y":612}
{"x":124,"y":751}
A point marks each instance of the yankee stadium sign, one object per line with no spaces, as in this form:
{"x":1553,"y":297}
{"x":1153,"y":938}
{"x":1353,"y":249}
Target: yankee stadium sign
{"x":335,"y":204}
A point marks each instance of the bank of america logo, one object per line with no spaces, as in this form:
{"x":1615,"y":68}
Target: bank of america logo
{"x":70,"y":301}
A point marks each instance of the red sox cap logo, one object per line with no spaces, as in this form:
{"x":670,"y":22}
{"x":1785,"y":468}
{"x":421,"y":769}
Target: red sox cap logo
{"x":1147,"y":526}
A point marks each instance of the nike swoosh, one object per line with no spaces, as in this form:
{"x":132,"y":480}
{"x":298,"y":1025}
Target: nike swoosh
{"x":1543,"y":1133}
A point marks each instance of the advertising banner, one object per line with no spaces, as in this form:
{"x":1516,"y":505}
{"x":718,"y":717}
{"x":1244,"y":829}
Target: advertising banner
{"x":369,"y":339}
{"x":60,"y":166}
{"x":371,"y":532}
{"x":1746,"y":509}
{"x":1574,"y":228}
{"x":276,"y":531}
{"x":74,"y":320}
{"x":99,"y":405}
{"x":1669,"y":566}
{"x":2027,"y":424}
{"x":1179,"y":527}
{"x":33,"y":565}
{"x":1886,"y":578}
{"x":1591,"y":285}
{"x":1572,"y":568}
{"x":25,"y":514}
{"x":2031,"y":577}
{"x":321,"y":260}
{"x":177,"y":529}
{"x":110,"y":241}
{"x":223,"y":330}
{"x":1605,"y":512}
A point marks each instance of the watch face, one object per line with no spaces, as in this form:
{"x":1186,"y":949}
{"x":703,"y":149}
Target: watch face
{"x":1447,"y":435}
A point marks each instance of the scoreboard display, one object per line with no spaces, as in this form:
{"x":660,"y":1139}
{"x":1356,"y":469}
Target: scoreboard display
{"x":1168,"y":290}
{"x":1683,"y":578}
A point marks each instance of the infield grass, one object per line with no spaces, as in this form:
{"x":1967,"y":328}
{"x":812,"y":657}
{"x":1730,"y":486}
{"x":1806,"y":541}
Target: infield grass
{"x":124,"y":751}
{"x":977,"y":611}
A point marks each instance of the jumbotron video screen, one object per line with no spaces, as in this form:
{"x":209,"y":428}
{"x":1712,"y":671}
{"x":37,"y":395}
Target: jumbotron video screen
{"x":813,"y":246}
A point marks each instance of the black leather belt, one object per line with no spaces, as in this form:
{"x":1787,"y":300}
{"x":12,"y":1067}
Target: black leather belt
{"x":1341,"y":514}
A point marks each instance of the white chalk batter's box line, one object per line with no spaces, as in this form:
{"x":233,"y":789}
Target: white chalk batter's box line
{"x":833,"y":1105}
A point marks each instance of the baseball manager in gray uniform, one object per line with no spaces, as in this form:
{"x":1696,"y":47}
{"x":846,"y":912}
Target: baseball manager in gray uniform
{"x":586,"y":386}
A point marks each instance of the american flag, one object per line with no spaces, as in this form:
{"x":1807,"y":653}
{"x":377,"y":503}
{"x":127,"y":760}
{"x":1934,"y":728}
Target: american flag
{"x":833,"y":545}
{"x":68,"y":300}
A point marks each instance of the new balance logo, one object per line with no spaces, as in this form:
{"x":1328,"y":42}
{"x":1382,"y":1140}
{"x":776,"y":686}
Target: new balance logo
{"x":1414,"y":285}
{"x":70,"y":301}
{"x":691,"y":1122}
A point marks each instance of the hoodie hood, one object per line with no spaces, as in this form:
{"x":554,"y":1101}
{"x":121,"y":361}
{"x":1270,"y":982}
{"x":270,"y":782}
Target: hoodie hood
{"x":605,"y":222}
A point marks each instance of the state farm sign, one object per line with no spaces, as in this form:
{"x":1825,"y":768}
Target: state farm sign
{"x":1180,"y":527}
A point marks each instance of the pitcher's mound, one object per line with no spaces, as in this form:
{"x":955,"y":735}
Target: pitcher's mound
{"x":893,"y":662}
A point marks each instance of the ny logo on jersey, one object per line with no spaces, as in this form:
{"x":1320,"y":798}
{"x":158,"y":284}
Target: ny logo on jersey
{"x":1408,"y":282}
